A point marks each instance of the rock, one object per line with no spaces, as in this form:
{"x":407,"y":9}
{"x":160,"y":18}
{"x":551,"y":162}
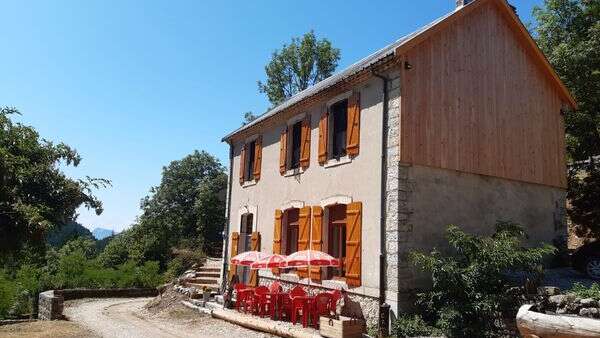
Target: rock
{"x":558,"y":300}
{"x":549,"y":291}
{"x":588,"y":302}
{"x":589,"y":312}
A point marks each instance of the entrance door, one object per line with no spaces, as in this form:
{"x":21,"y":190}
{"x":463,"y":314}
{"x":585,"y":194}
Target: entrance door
{"x":245,"y":244}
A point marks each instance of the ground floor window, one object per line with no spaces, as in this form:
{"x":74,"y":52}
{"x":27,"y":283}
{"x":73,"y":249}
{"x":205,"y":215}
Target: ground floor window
{"x":336,"y":237}
{"x":291,"y":219}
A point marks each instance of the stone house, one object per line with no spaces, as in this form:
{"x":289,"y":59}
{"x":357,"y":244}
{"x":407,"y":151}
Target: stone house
{"x":460,"y":122}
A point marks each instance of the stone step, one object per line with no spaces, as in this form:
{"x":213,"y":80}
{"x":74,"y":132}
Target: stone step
{"x":202,"y":280}
{"x":209,"y":270}
{"x":208,"y":275}
{"x":200,"y":286}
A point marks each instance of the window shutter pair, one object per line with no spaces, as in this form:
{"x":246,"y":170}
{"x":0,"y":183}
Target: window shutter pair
{"x":352,"y":129}
{"x":257,"y":160}
{"x":254,"y":246}
{"x":234,"y":251}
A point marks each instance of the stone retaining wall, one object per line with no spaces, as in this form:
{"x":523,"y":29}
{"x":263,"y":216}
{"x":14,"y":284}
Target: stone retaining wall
{"x":50,"y":306}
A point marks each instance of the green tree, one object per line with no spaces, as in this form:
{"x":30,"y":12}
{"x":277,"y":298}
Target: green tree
{"x":35,"y":195}
{"x":302,"y":63}
{"x":568,"y":32}
{"x":187,"y":210}
{"x":249,"y":117}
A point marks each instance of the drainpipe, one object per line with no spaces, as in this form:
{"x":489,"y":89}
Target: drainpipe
{"x":384,"y":309}
{"x":227,"y":219}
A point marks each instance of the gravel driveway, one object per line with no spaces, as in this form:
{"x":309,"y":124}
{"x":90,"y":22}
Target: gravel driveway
{"x":126,"y":317}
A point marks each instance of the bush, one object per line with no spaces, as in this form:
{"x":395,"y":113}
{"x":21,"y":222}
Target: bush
{"x":7,"y":295}
{"x":413,"y":326}
{"x":468,"y":297}
{"x":584,"y":292}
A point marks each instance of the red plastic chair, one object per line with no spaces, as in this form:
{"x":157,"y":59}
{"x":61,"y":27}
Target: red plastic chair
{"x":301,"y":306}
{"x":321,"y":306}
{"x":287,"y":301}
{"x":257,"y":300}
{"x":239,"y":294}
{"x":336,"y":295}
{"x":273,"y":298}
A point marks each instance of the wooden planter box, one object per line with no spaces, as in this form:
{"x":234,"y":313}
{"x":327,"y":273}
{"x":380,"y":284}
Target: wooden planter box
{"x":344,"y":327}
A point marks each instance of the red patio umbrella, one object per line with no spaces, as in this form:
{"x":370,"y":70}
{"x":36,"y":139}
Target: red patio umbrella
{"x":270,"y":261}
{"x":311,"y":258}
{"x":248,"y":257}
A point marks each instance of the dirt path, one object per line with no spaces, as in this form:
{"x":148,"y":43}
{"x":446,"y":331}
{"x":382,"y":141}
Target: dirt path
{"x":126,"y":317}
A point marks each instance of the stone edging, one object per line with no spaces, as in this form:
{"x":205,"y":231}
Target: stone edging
{"x":50,"y":306}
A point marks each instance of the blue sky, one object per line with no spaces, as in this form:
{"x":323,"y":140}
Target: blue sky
{"x":133,"y":85}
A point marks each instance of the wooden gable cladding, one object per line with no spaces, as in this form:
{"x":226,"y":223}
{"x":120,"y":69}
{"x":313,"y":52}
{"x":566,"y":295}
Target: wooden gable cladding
{"x":316,"y":239}
{"x":254,"y":246}
{"x":305,"y":143}
{"x":323,"y":133}
{"x":352,"y":265}
{"x":283,"y":151}
{"x":233,"y":251}
{"x":353,"y":131}
{"x":277,"y":236}
{"x":257,"y":158}
{"x":477,"y":101}
{"x":303,"y":236}
{"x":242,"y":163}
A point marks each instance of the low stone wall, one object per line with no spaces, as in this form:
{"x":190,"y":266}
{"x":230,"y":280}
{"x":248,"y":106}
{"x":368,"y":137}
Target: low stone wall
{"x":50,"y":306}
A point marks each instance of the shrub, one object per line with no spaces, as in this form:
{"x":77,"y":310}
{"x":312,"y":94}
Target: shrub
{"x":468,"y":297}
{"x":7,"y":294}
{"x":413,"y":326}
{"x":584,"y":292}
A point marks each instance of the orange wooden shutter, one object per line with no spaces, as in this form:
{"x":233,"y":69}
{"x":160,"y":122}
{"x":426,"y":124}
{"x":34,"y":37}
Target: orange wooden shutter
{"x":282,"y":151}
{"x":353,"y":132}
{"x":277,"y":236}
{"x":303,"y":235}
{"x":353,"y":243}
{"x":316,"y":241}
{"x":305,"y":143}
{"x":234,"y":251}
{"x":323,"y":137}
{"x":255,"y":246}
{"x":242,"y":163}
{"x":257,"y":158}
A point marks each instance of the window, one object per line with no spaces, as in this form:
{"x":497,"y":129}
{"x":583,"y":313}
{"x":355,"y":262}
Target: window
{"x":338,"y":121}
{"x":295,"y":144}
{"x":246,"y":226}
{"x":336,"y":237}
{"x":291,"y":223}
{"x":249,"y":163}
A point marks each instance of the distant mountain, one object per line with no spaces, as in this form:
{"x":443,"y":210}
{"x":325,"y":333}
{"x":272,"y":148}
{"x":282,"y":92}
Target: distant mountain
{"x":64,"y":233}
{"x":101,"y":233}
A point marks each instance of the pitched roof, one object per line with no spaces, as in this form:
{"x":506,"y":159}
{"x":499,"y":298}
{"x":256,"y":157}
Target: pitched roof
{"x":394,"y":48}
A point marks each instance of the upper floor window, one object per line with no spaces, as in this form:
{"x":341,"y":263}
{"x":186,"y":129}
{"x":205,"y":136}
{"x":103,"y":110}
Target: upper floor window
{"x":339,"y":129}
{"x":294,"y":142}
{"x":250,"y":160}
{"x":338,"y":119}
{"x":295,"y":137}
